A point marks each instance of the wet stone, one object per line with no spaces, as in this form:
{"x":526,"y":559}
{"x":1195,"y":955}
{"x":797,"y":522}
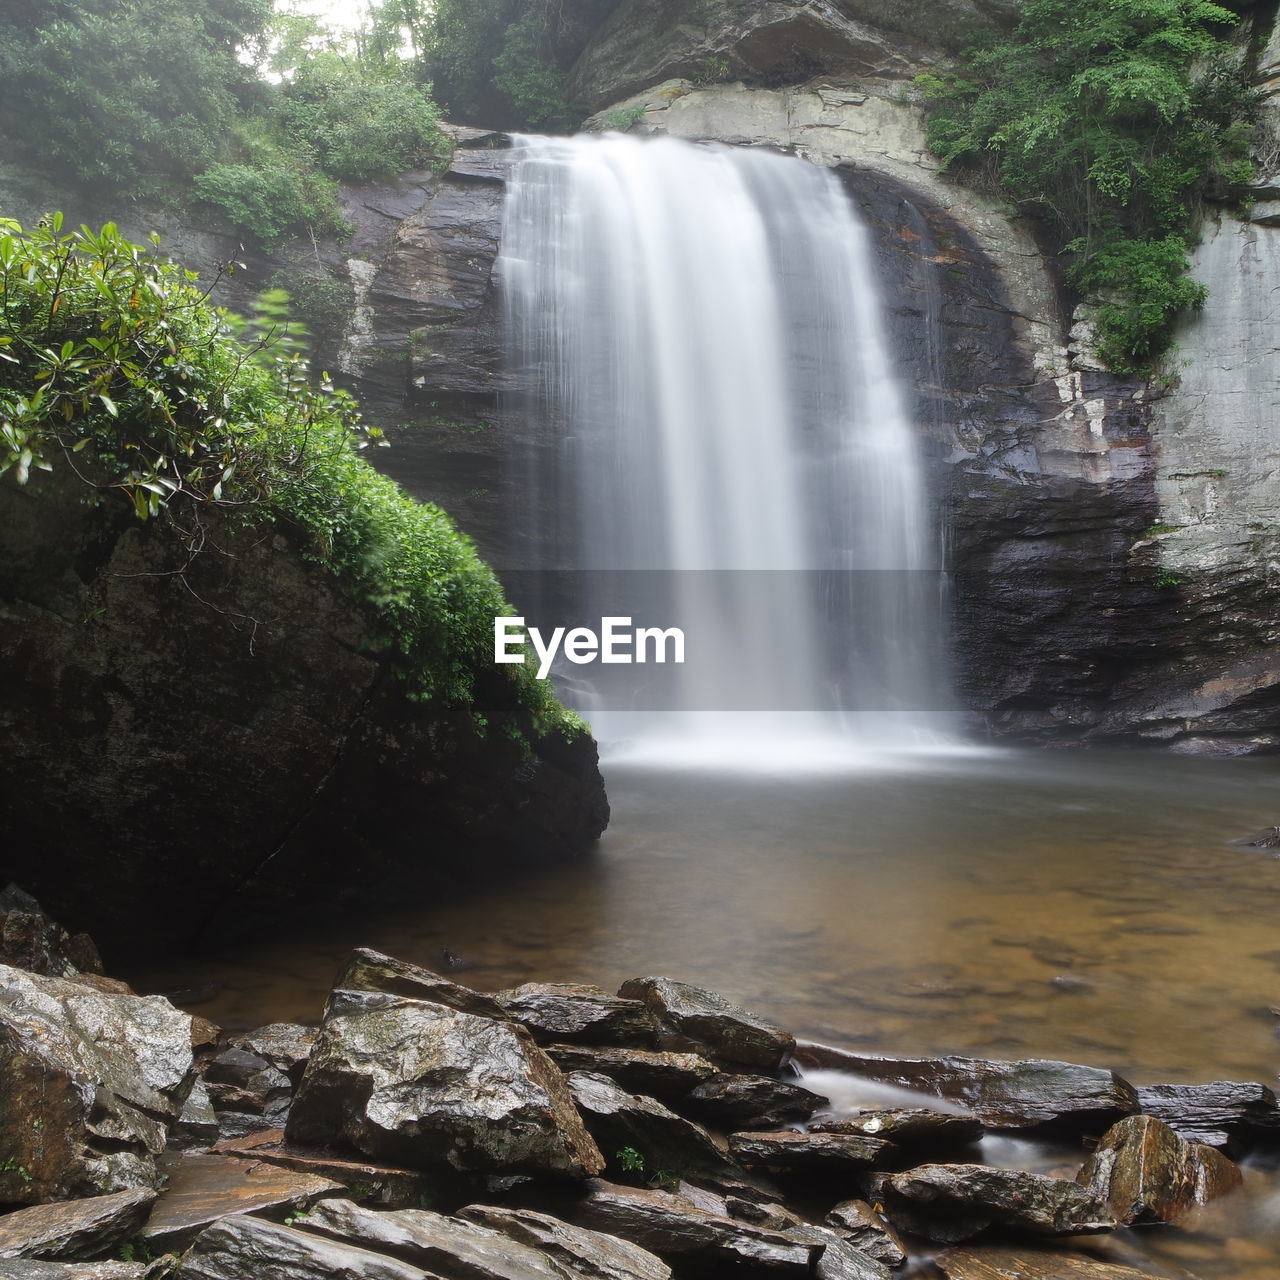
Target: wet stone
{"x":668,"y":1076}
{"x":859,"y":1224}
{"x":369,"y":970}
{"x":751,"y":1102}
{"x":1148,"y":1174}
{"x":1003,"y":1263}
{"x":703,"y":1022}
{"x":839,"y":1260}
{"x":285,"y":1045}
{"x":30,"y":940}
{"x":908,"y":1127}
{"x":198,"y":1124}
{"x":1216,"y":1114}
{"x":13,"y":1269}
{"x":953,"y":1202}
{"x":786,"y":1151}
{"x":75,"y":1229}
{"x":564,"y":1011}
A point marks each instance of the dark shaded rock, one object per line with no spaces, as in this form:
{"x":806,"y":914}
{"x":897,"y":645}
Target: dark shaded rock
{"x":1002,"y":1263}
{"x":589,"y":1254}
{"x":839,"y":1260}
{"x":198,"y":1124}
{"x":701,"y":1021}
{"x":908,"y":1127}
{"x":285,"y":1045}
{"x":368,"y":970}
{"x":754,"y":1102}
{"x":665,"y":1141}
{"x":75,"y":1229}
{"x":786,"y":1151}
{"x":670,"y":1226}
{"x":249,"y":685}
{"x":859,"y":1224}
{"x":243,"y":1248}
{"x":204,"y":1188}
{"x":441,"y":1246}
{"x":651,"y":1072}
{"x":381,"y":1185}
{"x":954,"y":1202}
{"x":1146,"y":1173}
{"x":30,"y":940}
{"x":579,"y":1012}
{"x":1033,"y":1093}
{"x":1216,"y":1114}
{"x":90,"y":1084}
{"x":418,"y":1084}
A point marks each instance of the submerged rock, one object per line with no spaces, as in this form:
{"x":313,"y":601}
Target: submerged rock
{"x":92,"y":1084}
{"x":75,"y":1229}
{"x":1146,"y":1173}
{"x":580,"y":1012}
{"x":420,"y":1084}
{"x":700,"y":1021}
{"x":1034,"y":1093}
{"x":954,"y":1202}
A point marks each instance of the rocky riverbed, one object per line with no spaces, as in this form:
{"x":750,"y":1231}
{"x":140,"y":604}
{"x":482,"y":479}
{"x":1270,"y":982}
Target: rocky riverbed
{"x":425,"y":1129}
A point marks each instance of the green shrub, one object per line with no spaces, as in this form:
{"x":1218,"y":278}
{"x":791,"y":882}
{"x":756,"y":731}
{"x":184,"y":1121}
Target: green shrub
{"x":1110,"y":121}
{"x":269,"y":202}
{"x":110,"y":353}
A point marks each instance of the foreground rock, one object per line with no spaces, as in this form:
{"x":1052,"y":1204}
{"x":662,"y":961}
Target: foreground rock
{"x":250,"y":1249}
{"x":1034,"y":1093}
{"x":1219,"y":1114}
{"x":954,"y":1202}
{"x":92,"y":1083}
{"x":13,"y":1270}
{"x":867,"y":1232}
{"x":590,"y":1254}
{"x":752,"y":1102}
{"x":419,"y":1084}
{"x":580,"y":1012}
{"x":786,"y":1151}
{"x":698,"y":1021}
{"x":672,"y":1227}
{"x":1147,"y":1174}
{"x":653,"y":1073}
{"x":76,"y":1229}
{"x":992,"y":1263}
{"x":368,"y":970}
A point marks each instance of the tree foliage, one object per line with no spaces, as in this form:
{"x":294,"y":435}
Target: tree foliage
{"x":1111,"y":119}
{"x":114,"y":366}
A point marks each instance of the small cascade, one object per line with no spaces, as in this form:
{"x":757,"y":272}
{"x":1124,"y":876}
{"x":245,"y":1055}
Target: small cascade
{"x":700,"y":362}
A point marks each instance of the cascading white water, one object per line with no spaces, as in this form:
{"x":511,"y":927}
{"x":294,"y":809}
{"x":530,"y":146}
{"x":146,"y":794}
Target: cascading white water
{"x":699,"y":328}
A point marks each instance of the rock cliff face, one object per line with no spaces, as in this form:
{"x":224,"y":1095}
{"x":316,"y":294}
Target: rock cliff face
{"x":222,"y":744}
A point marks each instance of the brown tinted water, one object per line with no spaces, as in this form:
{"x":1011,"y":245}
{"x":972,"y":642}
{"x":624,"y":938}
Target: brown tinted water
{"x":1087,"y":906}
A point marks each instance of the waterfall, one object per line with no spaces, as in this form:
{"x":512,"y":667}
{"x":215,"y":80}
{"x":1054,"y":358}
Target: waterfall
{"x":701,"y":373}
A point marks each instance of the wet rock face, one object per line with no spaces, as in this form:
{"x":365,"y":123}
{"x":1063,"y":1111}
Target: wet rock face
{"x":1224,"y":1113}
{"x":77,"y":1229}
{"x":420,"y":1084}
{"x":954,"y":1202}
{"x":577,"y":1011}
{"x":30,"y":940}
{"x":1148,"y":1174}
{"x":90,"y":1085}
{"x":305,"y":774}
{"x":656,"y":1074}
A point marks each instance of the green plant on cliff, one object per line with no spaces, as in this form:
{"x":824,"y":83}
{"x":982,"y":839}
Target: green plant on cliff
{"x":1111,"y":120}
{"x":114,"y":366}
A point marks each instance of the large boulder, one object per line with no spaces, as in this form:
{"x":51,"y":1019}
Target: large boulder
{"x":1147,"y":1174}
{"x":90,"y":1084}
{"x":421,"y":1084}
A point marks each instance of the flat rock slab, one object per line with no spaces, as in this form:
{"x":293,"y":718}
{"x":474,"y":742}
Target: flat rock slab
{"x":1216,"y":1114}
{"x":589,"y":1254}
{"x":839,"y":1260}
{"x":954,"y":1202}
{"x":1148,"y":1174}
{"x":1029,"y":1264}
{"x":618,"y":1119}
{"x":700,"y":1021}
{"x":204,"y":1188}
{"x":459,"y":1248}
{"x":859,"y":1224}
{"x":908,"y":1127}
{"x":755,"y":1102}
{"x":576,"y":1011}
{"x":671,"y":1226}
{"x":369,"y":970}
{"x":11,"y":1269}
{"x":420,"y":1084}
{"x":251,"y":1249}
{"x":105,"y":1074}
{"x":786,"y":1151}
{"x":1034,"y":1093}
{"x":655,"y":1074}
{"x":75,"y":1229}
